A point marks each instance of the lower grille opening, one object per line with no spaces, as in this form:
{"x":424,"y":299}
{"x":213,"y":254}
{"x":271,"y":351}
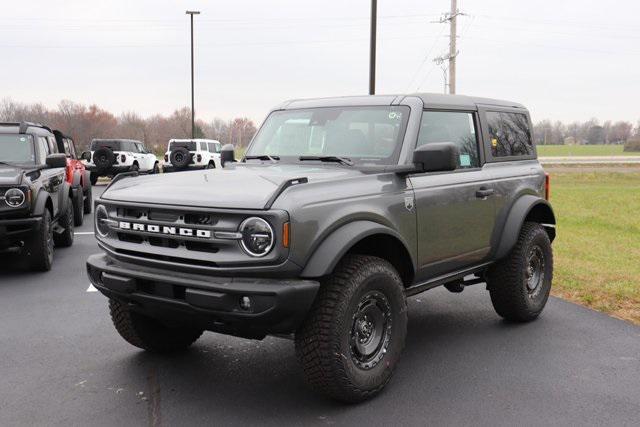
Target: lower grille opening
{"x":163,"y":242}
{"x":201,"y":247}
{"x":179,"y":260}
{"x":131,"y":238}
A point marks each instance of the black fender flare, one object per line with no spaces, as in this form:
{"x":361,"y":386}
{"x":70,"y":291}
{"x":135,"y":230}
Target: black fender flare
{"x":41,"y":199}
{"x":86,"y":180}
{"x":517,"y":215}
{"x":337,"y":244}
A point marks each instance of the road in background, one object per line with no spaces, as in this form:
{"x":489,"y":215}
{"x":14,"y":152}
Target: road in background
{"x":63,"y":363}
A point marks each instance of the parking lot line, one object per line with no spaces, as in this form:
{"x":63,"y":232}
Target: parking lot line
{"x":81,"y":233}
{"x":92,"y":288}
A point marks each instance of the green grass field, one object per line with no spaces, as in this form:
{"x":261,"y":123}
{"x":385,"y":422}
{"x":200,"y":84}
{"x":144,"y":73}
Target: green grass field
{"x":583,"y":150}
{"x":597,"y":252}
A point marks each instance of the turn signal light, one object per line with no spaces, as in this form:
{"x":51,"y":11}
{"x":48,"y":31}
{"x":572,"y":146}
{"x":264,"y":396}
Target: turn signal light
{"x":547,"y":186}
{"x":285,"y":235}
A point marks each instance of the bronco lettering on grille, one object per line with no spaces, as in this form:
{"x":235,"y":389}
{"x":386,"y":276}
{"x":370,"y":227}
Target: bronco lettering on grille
{"x":172,"y":231}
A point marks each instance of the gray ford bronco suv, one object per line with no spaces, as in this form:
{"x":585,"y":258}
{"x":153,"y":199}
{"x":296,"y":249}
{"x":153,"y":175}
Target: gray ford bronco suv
{"x":36,"y":203}
{"x":340,"y":209}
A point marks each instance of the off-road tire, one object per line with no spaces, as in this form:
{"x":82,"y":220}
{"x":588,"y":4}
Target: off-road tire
{"x":211,"y":165}
{"x":87,"y":203}
{"x":66,"y":220}
{"x":93,"y":177}
{"x":104,"y":158}
{"x":78,"y":208}
{"x":149,"y":334}
{"x":156,"y":169}
{"x":41,"y":248}
{"x":323,"y":343}
{"x":134,"y":168}
{"x":507,"y":280}
{"x":180,"y":157}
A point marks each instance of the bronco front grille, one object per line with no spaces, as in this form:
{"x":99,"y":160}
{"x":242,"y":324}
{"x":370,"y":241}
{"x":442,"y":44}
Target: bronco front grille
{"x":207,"y":238}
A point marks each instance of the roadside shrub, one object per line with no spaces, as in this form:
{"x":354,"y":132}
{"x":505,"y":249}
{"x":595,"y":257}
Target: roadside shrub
{"x":632,"y":144}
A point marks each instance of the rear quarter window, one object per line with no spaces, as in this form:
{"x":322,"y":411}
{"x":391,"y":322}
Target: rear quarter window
{"x":509,"y":134}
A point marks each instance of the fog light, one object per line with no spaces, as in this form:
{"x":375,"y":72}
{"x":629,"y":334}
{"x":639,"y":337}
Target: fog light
{"x":245,"y":303}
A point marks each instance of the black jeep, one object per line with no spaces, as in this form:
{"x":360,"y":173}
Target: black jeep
{"x":36,"y":209}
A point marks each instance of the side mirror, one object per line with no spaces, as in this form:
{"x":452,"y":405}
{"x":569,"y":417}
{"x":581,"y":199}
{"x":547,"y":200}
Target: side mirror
{"x":56,"y":161}
{"x":227,"y":154}
{"x":436,"y":157}
{"x":86,"y":156}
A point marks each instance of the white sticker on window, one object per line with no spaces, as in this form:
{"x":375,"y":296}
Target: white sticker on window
{"x":465,"y":160}
{"x":23,"y":139}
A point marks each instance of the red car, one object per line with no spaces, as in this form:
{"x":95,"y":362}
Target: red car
{"x":77,"y":176}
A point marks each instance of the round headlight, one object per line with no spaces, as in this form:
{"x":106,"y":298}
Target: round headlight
{"x":14,"y":197}
{"x":102,"y":220}
{"x":257,"y":236}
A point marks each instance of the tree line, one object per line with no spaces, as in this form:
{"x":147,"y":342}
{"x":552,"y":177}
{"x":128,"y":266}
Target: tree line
{"x":84,"y":123}
{"x":589,"y":132}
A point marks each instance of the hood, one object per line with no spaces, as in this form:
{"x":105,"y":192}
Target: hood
{"x":242,"y":186}
{"x":10,"y":175}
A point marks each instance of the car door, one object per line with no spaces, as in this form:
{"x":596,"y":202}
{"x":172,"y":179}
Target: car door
{"x":455,"y":210}
{"x":52,"y":178}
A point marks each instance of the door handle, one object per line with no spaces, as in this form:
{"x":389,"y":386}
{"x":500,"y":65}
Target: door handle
{"x":483,"y":192}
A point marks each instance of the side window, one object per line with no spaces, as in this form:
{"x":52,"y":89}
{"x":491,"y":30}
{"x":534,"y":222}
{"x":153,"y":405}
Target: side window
{"x":510,"y":134}
{"x":452,"y":126}
{"x":140,"y":148}
{"x":53,"y":145}
{"x":212,"y":147}
{"x":67,"y":147}
{"x":43,"y":148}
{"x":72,"y":149}
{"x":203,"y":146}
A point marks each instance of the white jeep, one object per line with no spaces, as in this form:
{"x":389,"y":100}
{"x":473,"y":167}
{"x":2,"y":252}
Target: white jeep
{"x":183,"y":154}
{"x":109,"y":157}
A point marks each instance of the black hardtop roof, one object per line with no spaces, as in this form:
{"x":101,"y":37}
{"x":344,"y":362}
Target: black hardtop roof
{"x":23,"y":127}
{"x":430,"y":100}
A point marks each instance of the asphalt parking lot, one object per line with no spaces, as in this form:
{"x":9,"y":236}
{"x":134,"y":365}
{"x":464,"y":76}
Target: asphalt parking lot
{"x":62,"y":363}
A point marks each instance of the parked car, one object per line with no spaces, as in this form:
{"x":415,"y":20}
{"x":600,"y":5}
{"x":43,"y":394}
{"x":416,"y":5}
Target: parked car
{"x":183,"y":154}
{"x":77,"y":176}
{"x":109,"y":157}
{"x":340,"y":209}
{"x":36,"y":202}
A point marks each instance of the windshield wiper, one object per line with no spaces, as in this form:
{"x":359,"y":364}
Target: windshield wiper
{"x":5,"y":163}
{"x":334,"y":159}
{"x":263,"y":157}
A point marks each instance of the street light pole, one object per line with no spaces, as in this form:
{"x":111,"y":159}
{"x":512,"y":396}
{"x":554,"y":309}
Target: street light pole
{"x":372,"y":48}
{"x":193,"y":122}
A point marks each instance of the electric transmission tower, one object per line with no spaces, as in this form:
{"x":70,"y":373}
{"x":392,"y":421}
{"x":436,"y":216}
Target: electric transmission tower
{"x":451,"y":19}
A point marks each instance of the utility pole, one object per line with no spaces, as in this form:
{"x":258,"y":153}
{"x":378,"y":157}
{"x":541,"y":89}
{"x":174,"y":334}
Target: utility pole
{"x":193,"y":120}
{"x":372,"y":48}
{"x":450,"y":18}
{"x":452,"y":47}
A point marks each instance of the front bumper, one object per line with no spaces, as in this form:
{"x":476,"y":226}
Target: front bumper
{"x":212,"y":303}
{"x":15,"y":232}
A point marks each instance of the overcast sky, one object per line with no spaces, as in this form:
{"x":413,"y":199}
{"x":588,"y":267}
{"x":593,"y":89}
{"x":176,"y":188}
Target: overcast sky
{"x":564,"y":59}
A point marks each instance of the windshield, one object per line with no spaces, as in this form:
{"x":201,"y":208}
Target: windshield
{"x":361,"y":134}
{"x":189,"y":145}
{"x":17,"y":149}
{"x":112,"y":144}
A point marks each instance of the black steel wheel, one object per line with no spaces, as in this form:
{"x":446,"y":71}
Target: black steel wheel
{"x":371,"y":330}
